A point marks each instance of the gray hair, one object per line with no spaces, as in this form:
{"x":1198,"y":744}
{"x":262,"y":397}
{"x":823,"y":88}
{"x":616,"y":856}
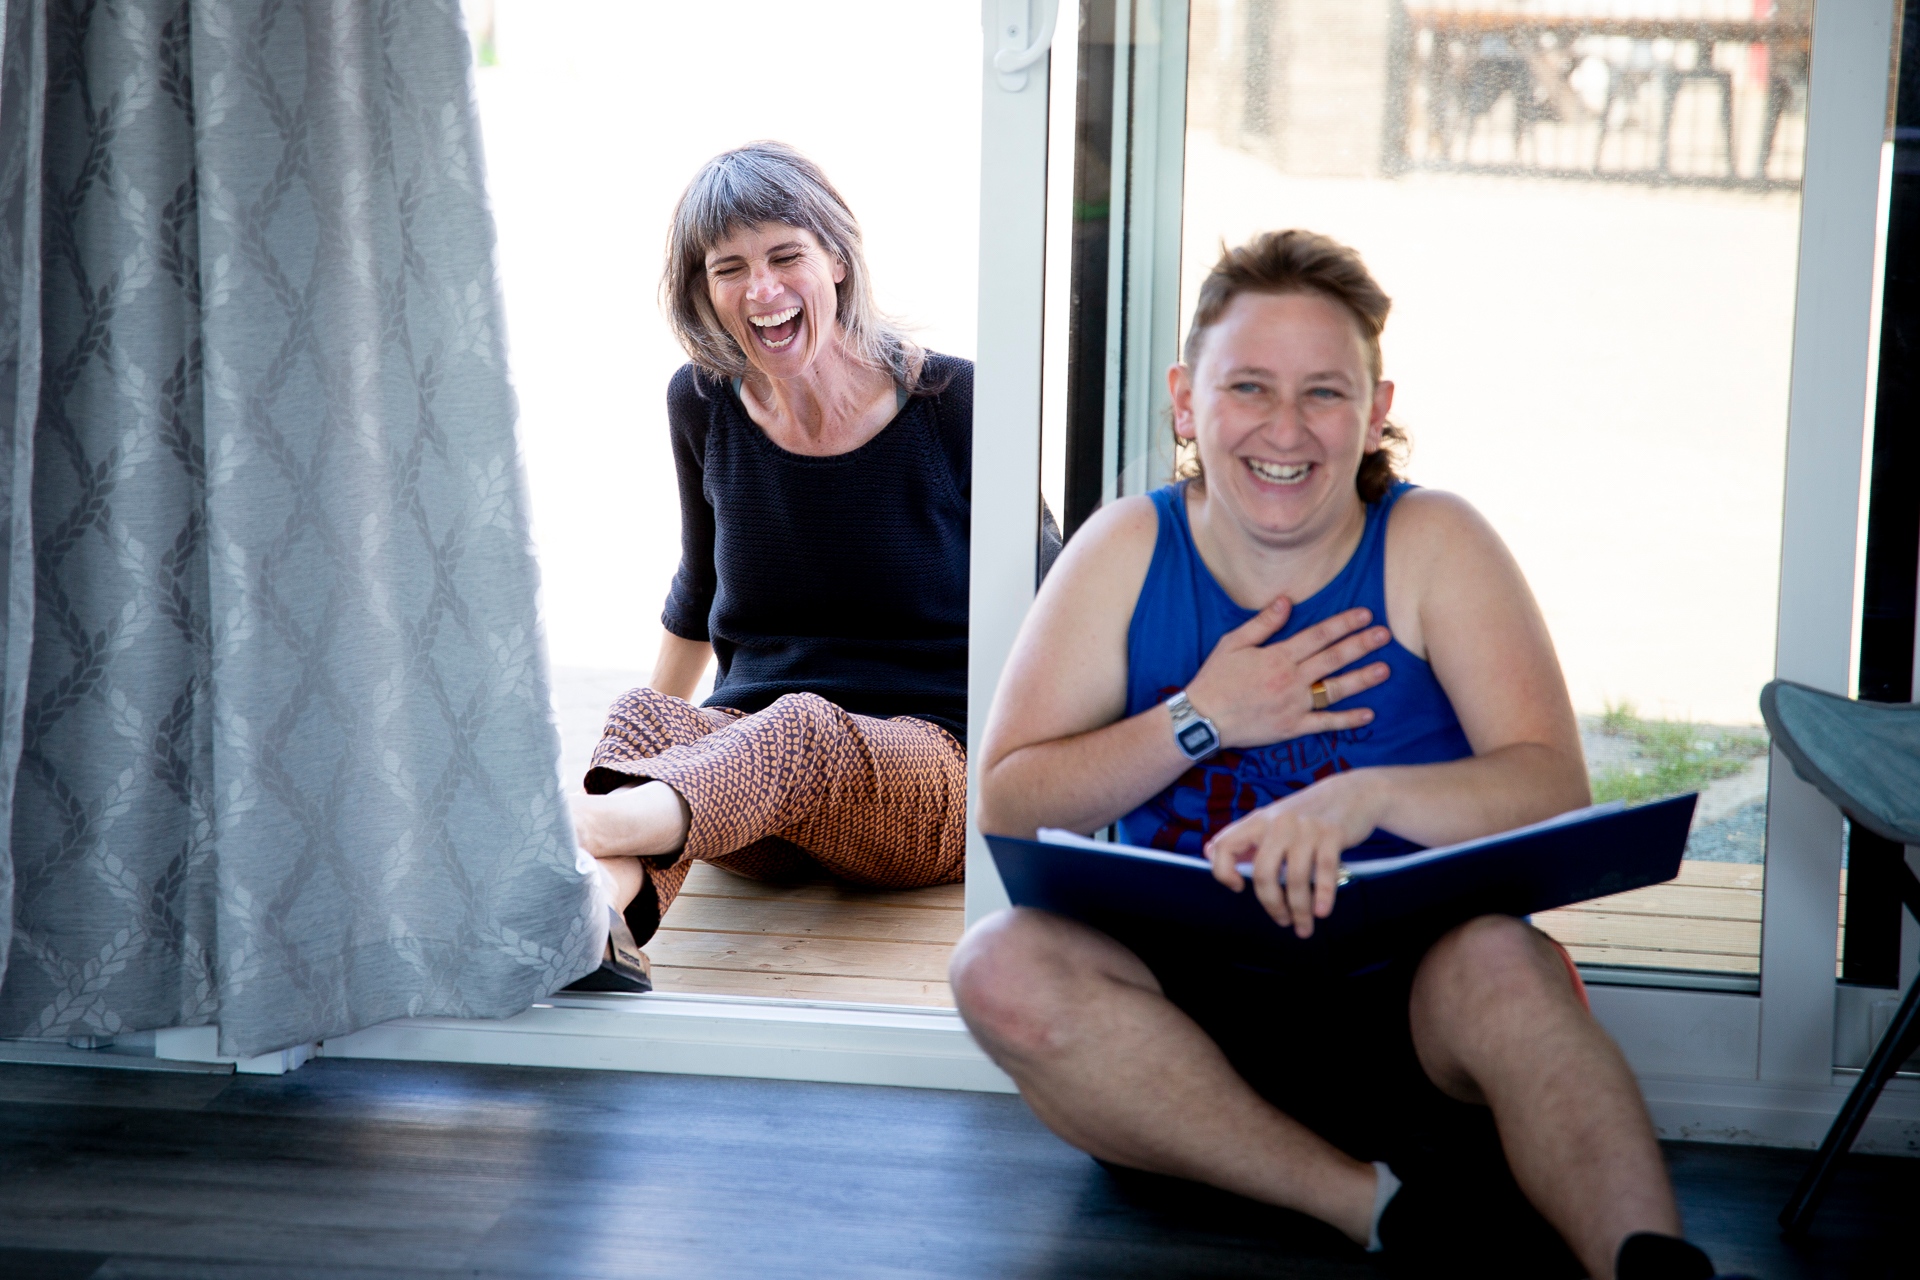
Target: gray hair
{"x":771,"y":182}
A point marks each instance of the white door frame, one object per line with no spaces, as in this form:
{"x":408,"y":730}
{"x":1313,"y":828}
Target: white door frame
{"x":1712,"y":1064}
{"x":1143,"y":285}
{"x":1829,"y":416}
{"x":1006,"y":400}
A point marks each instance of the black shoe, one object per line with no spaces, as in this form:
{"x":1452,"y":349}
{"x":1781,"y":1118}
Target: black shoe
{"x":1647,"y":1255}
{"x":625,"y":968}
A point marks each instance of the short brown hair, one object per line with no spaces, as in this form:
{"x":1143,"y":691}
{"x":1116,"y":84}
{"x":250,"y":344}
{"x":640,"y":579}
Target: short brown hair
{"x":1280,"y":262}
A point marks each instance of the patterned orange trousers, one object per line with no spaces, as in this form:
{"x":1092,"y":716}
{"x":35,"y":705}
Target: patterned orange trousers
{"x":783,"y":793}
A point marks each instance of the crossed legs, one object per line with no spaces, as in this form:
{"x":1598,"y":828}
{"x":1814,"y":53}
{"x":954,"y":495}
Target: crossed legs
{"x":803,"y":784}
{"x":1113,"y":1067}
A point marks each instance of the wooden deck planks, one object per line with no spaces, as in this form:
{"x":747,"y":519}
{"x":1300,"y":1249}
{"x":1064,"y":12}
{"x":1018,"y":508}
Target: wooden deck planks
{"x":785,"y":953}
{"x":801,"y":986}
{"x":707,"y":880}
{"x":850,"y":921}
{"x":1706,"y":918}
{"x":1642,"y":958}
{"x":1672,"y":934}
{"x":727,"y":935}
{"x":1690,"y":901}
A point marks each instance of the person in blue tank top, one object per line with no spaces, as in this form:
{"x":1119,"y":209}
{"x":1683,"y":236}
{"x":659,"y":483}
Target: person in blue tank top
{"x":1183,"y":613}
{"x":1288,"y":659}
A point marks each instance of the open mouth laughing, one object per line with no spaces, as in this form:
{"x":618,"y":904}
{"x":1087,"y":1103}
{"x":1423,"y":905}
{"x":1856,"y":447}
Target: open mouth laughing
{"x":777,"y":329}
{"x":1279,"y":472}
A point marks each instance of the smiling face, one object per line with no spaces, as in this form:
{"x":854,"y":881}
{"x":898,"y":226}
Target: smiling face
{"x":1283,"y":405}
{"x":773,"y":288}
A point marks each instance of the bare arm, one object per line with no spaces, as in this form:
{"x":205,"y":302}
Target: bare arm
{"x":1057,"y":751}
{"x":1474,"y":619}
{"x":1457,"y":595}
{"x":1052,"y":754}
{"x":681,"y":663}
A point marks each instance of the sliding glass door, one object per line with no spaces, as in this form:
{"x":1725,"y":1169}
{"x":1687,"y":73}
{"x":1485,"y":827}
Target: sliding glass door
{"x":1631,"y":248}
{"x":1591,"y":342}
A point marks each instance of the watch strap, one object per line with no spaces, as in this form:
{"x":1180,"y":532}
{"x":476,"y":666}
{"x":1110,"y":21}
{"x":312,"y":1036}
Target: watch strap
{"x":1193,"y":733}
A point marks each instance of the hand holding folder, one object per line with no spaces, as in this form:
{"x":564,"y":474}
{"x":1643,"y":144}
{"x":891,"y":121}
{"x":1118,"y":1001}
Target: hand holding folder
{"x":1144,"y":897}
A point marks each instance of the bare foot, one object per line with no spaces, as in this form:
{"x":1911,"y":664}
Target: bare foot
{"x":633,"y":822}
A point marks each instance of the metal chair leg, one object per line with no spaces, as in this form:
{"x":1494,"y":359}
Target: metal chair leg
{"x":1895,"y":1047}
{"x":1779,"y":94}
{"x":1725,"y":81}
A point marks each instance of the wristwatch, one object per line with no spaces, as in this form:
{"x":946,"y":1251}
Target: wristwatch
{"x":1193,"y":733}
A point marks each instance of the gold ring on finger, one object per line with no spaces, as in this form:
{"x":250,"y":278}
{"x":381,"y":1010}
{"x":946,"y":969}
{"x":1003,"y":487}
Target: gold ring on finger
{"x":1321,"y":699}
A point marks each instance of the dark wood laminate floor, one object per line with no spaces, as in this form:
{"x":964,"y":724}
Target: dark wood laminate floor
{"x":362,"y":1170}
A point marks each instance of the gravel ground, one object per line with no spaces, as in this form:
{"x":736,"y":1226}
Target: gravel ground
{"x":1730,"y":824}
{"x":1739,"y":837}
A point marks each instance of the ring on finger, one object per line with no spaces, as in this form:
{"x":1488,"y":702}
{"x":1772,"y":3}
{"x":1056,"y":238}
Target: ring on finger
{"x":1321,"y":698}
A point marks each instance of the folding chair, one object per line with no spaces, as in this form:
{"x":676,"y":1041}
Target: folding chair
{"x":1865,"y":757}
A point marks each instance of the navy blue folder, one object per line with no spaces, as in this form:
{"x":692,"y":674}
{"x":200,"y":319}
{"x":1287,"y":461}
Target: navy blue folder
{"x":1147,"y":899}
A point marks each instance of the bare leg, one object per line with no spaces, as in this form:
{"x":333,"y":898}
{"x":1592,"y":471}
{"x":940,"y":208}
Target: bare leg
{"x":1051,"y":1001}
{"x":623,"y":819}
{"x":1496,"y":1020}
{"x":621,"y":827}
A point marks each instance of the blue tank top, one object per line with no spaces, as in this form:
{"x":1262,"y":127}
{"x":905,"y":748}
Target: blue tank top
{"x":1182,"y":613}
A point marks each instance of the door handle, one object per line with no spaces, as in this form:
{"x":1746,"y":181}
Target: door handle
{"x":1015,"y":54}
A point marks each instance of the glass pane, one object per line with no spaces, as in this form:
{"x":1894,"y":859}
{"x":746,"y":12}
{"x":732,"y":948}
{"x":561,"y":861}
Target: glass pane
{"x":1588,"y":216}
{"x":596,"y":113}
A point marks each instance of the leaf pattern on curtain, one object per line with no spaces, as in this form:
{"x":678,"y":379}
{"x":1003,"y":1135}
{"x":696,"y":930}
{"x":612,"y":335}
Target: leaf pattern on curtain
{"x":286,"y":762}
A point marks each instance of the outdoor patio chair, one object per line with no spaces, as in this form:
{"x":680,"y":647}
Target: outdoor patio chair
{"x":1628,"y":78}
{"x":1865,"y":757}
{"x":1786,"y":81}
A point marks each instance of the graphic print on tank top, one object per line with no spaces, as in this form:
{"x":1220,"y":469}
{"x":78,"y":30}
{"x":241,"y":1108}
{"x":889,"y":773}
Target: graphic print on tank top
{"x":1180,"y":616}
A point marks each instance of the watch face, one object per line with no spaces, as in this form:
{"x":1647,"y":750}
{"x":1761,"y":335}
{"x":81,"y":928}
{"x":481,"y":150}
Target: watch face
{"x":1197,"y":739}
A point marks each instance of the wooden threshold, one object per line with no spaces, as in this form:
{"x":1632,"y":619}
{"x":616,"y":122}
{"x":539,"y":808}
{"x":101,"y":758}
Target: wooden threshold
{"x":727,"y":935}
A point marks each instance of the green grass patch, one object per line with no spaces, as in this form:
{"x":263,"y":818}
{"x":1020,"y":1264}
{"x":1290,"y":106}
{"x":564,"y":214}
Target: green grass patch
{"x":1618,"y":719}
{"x":1679,"y":757}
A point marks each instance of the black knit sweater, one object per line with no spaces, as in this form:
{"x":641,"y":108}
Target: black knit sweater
{"x":843,"y":576}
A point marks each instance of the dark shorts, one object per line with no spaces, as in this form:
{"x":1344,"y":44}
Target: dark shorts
{"x":1337,"y":1054}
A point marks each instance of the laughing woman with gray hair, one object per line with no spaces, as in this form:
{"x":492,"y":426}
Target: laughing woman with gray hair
{"x":824,"y":462}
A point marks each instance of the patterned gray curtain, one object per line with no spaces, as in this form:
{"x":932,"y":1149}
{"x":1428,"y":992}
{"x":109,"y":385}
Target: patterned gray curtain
{"x":275,"y":706}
